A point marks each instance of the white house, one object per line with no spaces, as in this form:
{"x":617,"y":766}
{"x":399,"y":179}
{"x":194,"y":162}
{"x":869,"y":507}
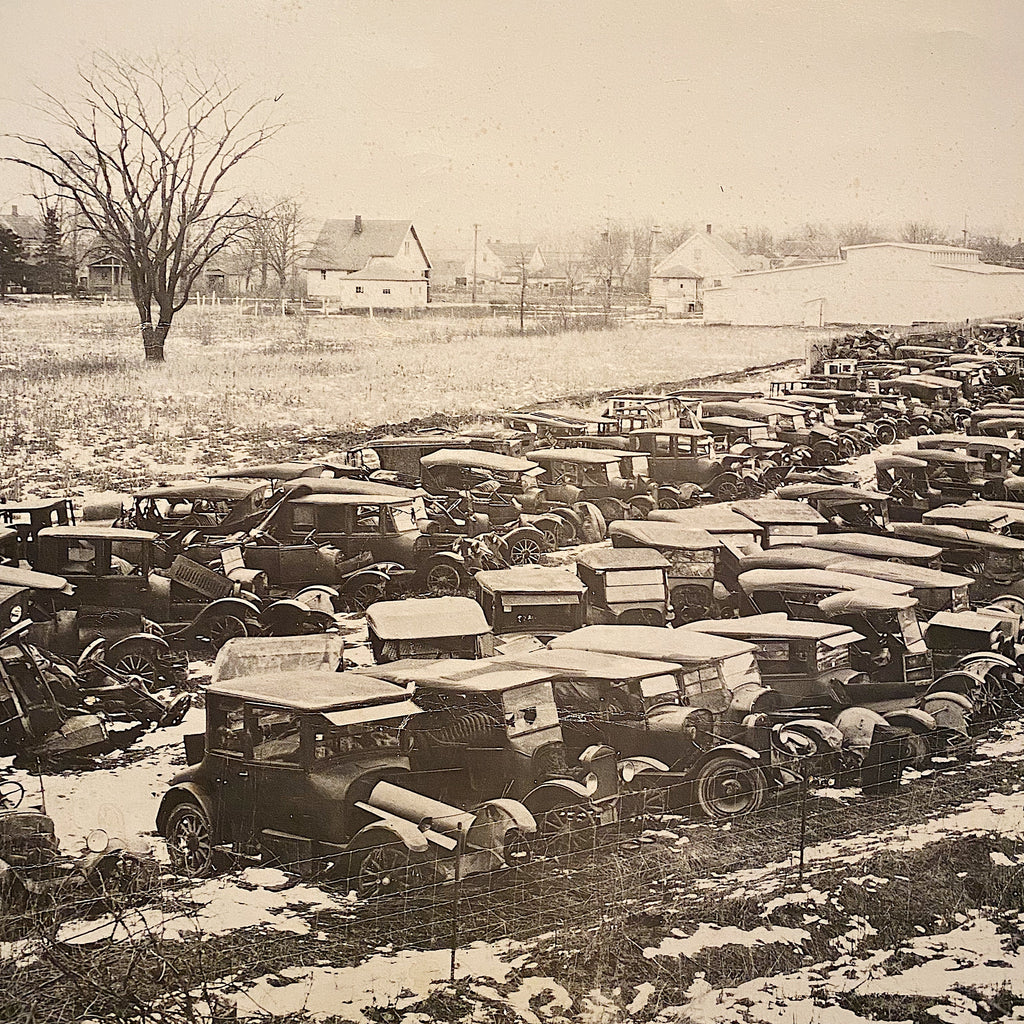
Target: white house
{"x":368,"y":264}
{"x":702,"y":261}
{"x":502,"y":262}
{"x":876,"y":283}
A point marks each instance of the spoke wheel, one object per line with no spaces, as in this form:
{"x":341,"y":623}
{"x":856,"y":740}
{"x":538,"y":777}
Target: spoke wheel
{"x":225,"y":628}
{"x":885,"y":433}
{"x":190,"y":841}
{"x":138,"y":667}
{"x":726,"y":787}
{"x":366,"y":594}
{"x":728,"y":489}
{"x":443,"y":578}
{"x":384,"y":871}
{"x":917,"y":750}
{"x":566,"y":828}
{"x":524,"y":551}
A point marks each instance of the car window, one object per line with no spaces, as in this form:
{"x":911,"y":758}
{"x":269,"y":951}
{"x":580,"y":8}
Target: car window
{"x":367,"y":519}
{"x":275,"y":735}
{"x":303,"y":518}
{"x":227,"y":728}
{"x":80,"y":559}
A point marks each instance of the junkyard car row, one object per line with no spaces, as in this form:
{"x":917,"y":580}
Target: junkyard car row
{"x":722,"y":610}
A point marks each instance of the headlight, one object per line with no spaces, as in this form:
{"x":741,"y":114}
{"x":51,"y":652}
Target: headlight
{"x":16,"y":614}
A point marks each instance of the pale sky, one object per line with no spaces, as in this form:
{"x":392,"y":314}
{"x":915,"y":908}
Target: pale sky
{"x":528,"y":117}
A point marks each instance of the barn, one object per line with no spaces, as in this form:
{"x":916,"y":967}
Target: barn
{"x":877,"y":283}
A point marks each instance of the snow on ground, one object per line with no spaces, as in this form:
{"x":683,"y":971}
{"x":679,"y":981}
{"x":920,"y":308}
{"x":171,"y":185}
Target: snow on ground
{"x":710,"y":936}
{"x":979,"y":955}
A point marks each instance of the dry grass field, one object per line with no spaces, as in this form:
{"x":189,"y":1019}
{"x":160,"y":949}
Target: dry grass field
{"x":79,"y":408}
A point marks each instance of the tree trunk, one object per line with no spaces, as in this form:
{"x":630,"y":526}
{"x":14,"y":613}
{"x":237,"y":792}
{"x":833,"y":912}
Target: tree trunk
{"x":153,"y":339}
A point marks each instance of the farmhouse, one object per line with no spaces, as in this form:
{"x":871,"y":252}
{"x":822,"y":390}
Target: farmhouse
{"x":875,"y":283}
{"x":29,"y":230}
{"x":704,"y":260}
{"x":368,"y":264}
{"x":500,"y":262}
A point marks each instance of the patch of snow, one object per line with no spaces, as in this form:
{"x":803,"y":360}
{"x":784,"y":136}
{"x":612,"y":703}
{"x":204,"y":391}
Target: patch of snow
{"x":712,"y":936}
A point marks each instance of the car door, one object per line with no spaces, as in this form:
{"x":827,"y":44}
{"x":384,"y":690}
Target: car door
{"x":231,"y":772}
{"x":280,"y":787}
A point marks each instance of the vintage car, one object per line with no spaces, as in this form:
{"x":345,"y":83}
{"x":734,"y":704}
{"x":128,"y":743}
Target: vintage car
{"x":305,"y":770}
{"x":798,"y":591}
{"x":994,"y":560}
{"x":33,"y":868}
{"x":984,"y":517}
{"x":896,"y":547}
{"x":629,"y":587}
{"x":683,"y":464}
{"x":51,"y":708}
{"x":905,"y":479}
{"x":693,"y":556}
{"x":30,"y":516}
{"x":978,"y":654}
{"x":276,"y":473}
{"x":530,"y":604}
{"x":1000,"y":458}
{"x":957,"y":476}
{"x":467,"y":483}
{"x":494,"y":731}
{"x":720,"y":520}
{"x":428,"y":627}
{"x":368,"y":540}
{"x":782,"y":521}
{"x":116,"y":595}
{"x":719,"y":676}
{"x":669,"y":747}
{"x":189,"y":507}
{"x":812,"y":664}
{"x":617,"y":482}
{"x":844,"y":507}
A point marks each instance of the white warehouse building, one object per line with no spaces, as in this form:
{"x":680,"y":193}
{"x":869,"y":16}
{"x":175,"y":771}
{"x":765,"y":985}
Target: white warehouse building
{"x":878,"y":283}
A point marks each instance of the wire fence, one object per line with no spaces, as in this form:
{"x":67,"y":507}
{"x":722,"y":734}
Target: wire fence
{"x":592,"y":880}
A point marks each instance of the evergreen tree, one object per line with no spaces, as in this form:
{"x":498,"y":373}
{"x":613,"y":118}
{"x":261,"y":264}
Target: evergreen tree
{"x":12,"y":260}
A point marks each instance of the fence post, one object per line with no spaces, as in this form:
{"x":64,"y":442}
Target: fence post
{"x":459,"y":851}
{"x":803,"y":824}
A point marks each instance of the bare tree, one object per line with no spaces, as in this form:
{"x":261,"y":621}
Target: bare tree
{"x":279,"y":233}
{"x":858,"y":233}
{"x":611,"y":256}
{"x":922,"y":233}
{"x":149,"y":154}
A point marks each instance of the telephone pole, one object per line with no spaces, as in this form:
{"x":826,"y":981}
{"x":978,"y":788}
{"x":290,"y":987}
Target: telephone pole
{"x":476,"y":229}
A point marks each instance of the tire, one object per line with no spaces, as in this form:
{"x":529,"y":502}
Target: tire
{"x":385,"y":871}
{"x":885,"y":433}
{"x":728,"y":487}
{"x":612,"y":509}
{"x":567,"y":827}
{"x":222,"y":628}
{"x":826,"y":453}
{"x":690,"y":603}
{"x":139,"y":665}
{"x":571,"y":528}
{"x":640,"y":507}
{"x":190,"y":841}
{"x":524,"y":546}
{"x":593,"y":526}
{"x":669,"y":499}
{"x":517,"y":851}
{"x":359,"y":596}
{"x":918,"y":750}
{"x":641,"y":617}
{"x":725,"y":787}
{"x":443,"y":577}
{"x":553,"y":529}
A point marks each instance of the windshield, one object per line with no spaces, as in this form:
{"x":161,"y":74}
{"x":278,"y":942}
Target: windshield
{"x":910,"y":630}
{"x":332,"y":741}
{"x":404,"y":517}
{"x":832,"y":657}
{"x":658,"y":690}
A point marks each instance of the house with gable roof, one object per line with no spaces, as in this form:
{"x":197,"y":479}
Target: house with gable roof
{"x":500,"y":262}
{"x":704,"y":260}
{"x":368,"y":264}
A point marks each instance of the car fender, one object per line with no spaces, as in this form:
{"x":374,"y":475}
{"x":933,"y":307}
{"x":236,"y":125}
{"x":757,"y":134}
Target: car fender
{"x":155,"y":643}
{"x":238,"y":607}
{"x":386,"y":833}
{"x":557,"y":792}
{"x":858,"y":724}
{"x":595,"y":752}
{"x":738,"y":751}
{"x":948,"y":696}
{"x":630,"y":767}
{"x":991,"y":658}
{"x":914,"y":719}
{"x":182,"y":793}
{"x":516,"y":814}
{"x":824,"y":734}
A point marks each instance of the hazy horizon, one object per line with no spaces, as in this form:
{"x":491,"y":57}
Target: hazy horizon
{"x":531,"y":119}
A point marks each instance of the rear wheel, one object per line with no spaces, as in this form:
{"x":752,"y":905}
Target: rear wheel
{"x":223,"y":628}
{"x":524,"y":546}
{"x":139,"y":666}
{"x":885,"y":433}
{"x":726,"y":787}
{"x":728,"y":487}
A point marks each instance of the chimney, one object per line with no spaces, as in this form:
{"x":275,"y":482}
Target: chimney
{"x":359,"y":224}
{"x":707,"y":228}
{"x":14,"y":211}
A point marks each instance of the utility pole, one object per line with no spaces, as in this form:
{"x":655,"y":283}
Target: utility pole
{"x":476,"y":229}
{"x":965,"y":229}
